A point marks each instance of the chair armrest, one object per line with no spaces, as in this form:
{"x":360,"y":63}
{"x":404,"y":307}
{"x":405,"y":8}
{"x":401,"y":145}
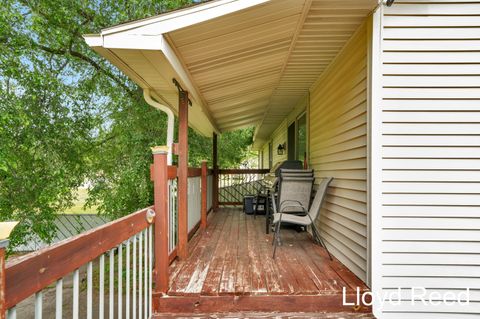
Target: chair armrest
{"x":297,"y":204}
{"x":292,"y":206}
{"x":274,"y":204}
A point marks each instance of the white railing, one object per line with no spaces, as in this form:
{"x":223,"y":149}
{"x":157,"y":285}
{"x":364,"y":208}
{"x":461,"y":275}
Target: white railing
{"x":86,"y":267}
{"x":172,"y":215}
{"x":194,"y":201}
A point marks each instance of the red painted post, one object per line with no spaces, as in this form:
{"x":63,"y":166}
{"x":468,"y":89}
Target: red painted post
{"x":203,"y":222}
{"x":3,"y":310}
{"x":182,"y":249}
{"x":215,"y":173}
{"x":160,"y":184}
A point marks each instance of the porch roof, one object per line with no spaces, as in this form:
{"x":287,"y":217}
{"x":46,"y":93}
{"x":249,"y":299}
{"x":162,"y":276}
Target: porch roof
{"x":244,"y":62}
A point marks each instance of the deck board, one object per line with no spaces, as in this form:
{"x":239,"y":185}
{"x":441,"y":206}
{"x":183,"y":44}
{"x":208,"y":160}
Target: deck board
{"x":256,"y":315}
{"x":234,"y":257}
{"x":211,"y":284}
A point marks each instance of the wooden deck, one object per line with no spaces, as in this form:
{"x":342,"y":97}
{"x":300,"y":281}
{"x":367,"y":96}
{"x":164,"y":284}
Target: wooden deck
{"x":230,"y":268}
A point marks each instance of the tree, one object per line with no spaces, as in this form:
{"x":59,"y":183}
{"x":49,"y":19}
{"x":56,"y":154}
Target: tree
{"x":67,"y":116}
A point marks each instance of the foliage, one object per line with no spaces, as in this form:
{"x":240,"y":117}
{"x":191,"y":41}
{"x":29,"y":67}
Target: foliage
{"x":233,"y":148}
{"x":67,"y":116}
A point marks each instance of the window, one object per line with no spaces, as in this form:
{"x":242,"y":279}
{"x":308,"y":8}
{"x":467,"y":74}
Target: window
{"x":291,"y":142}
{"x":270,"y":155}
{"x":297,"y":139}
{"x":301,"y":142}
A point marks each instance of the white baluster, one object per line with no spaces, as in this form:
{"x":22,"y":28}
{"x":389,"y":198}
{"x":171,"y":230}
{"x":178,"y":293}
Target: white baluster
{"x":38,"y":305}
{"x":12,"y":313}
{"x":59,"y":299}
{"x":89,"y":290}
{"x":127,"y":281}
{"x":111,"y":287}
{"x":134,"y":277}
{"x":150,"y":263}
{"x":140,"y":280}
{"x":145,"y":273}
{"x":76,"y":293}
{"x":120,"y":277}
{"x":101,"y":292}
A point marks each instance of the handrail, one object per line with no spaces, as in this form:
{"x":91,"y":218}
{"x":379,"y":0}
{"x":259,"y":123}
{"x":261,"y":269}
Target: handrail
{"x":33,"y":272}
{"x":192,"y":172}
{"x":243,"y":171}
{"x":172,"y":172}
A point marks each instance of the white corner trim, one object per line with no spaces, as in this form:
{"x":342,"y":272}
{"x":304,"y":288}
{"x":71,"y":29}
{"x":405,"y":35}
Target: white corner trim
{"x":375,"y":154}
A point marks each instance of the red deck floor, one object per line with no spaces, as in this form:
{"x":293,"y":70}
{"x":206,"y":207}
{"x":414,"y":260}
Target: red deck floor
{"x":230,"y":268}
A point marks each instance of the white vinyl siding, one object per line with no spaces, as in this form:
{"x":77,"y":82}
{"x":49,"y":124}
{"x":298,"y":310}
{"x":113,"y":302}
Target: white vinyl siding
{"x":280,"y":134}
{"x":265,"y":156}
{"x":430,"y":155}
{"x":338,"y":137}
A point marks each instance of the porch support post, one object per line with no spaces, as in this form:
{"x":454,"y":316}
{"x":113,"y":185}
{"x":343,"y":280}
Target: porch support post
{"x":3,"y":246}
{"x":203,"y":222}
{"x":159,"y":176}
{"x":215,"y":173}
{"x":182,"y":174}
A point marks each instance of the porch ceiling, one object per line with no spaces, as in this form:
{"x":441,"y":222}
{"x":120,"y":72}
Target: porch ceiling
{"x":245,"y":62}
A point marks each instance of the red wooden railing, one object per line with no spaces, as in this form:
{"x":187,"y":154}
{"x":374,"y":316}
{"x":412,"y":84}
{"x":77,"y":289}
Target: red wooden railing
{"x":34,"y":272}
{"x":200,"y":185}
{"x":30,"y":274}
{"x":118,"y":240}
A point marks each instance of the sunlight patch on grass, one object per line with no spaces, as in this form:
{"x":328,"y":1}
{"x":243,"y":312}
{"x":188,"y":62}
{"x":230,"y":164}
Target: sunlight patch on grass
{"x":77,"y":208}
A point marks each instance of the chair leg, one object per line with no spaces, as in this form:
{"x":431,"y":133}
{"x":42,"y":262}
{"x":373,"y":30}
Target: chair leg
{"x":317,"y":235}
{"x":276,"y":238}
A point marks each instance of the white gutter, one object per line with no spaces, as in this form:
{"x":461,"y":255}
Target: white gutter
{"x":170,"y":121}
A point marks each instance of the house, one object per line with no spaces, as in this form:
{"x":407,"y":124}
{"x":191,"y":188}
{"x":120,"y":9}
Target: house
{"x":383,"y":96}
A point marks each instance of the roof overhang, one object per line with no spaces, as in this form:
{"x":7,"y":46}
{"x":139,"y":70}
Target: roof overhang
{"x":244,"y":62}
{"x":151,"y":63}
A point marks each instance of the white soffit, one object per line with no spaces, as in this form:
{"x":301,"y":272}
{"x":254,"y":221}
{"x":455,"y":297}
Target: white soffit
{"x":244,"y":62}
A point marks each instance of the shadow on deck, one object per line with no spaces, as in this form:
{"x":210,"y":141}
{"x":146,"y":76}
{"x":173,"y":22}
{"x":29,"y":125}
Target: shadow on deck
{"x":230,"y":269}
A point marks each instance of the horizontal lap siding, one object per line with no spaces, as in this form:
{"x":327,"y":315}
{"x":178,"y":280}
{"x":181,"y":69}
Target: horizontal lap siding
{"x":431,"y":154}
{"x":279,"y":136}
{"x":265,"y":156}
{"x":338,"y":139}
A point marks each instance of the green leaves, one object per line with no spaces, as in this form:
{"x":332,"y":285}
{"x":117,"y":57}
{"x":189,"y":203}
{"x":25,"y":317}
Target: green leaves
{"x":68,"y":117}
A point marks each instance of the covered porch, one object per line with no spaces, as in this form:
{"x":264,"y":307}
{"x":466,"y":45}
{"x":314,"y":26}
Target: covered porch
{"x":221,"y":66}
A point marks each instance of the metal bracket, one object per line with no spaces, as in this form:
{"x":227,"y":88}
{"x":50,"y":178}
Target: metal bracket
{"x":389,"y":2}
{"x":180,"y":89}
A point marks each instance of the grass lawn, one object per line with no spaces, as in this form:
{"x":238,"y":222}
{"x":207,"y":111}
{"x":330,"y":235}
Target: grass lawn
{"x":77,"y":208}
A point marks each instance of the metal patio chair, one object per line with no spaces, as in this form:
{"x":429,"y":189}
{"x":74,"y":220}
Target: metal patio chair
{"x":307,"y":220}
{"x":294,"y":186}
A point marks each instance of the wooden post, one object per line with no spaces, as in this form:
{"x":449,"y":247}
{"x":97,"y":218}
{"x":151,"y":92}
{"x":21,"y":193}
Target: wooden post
{"x":3,"y":309}
{"x":160,"y":194}
{"x":203,"y":222}
{"x":182,"y":249}
{"x":215,"y":173}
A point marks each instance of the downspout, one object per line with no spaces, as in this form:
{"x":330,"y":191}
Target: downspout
{"x":170,"y":121}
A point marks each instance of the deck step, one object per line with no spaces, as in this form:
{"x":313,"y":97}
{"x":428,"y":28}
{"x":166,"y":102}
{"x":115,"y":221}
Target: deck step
{"x":327,"y":303}
{"x":262,"y":315}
